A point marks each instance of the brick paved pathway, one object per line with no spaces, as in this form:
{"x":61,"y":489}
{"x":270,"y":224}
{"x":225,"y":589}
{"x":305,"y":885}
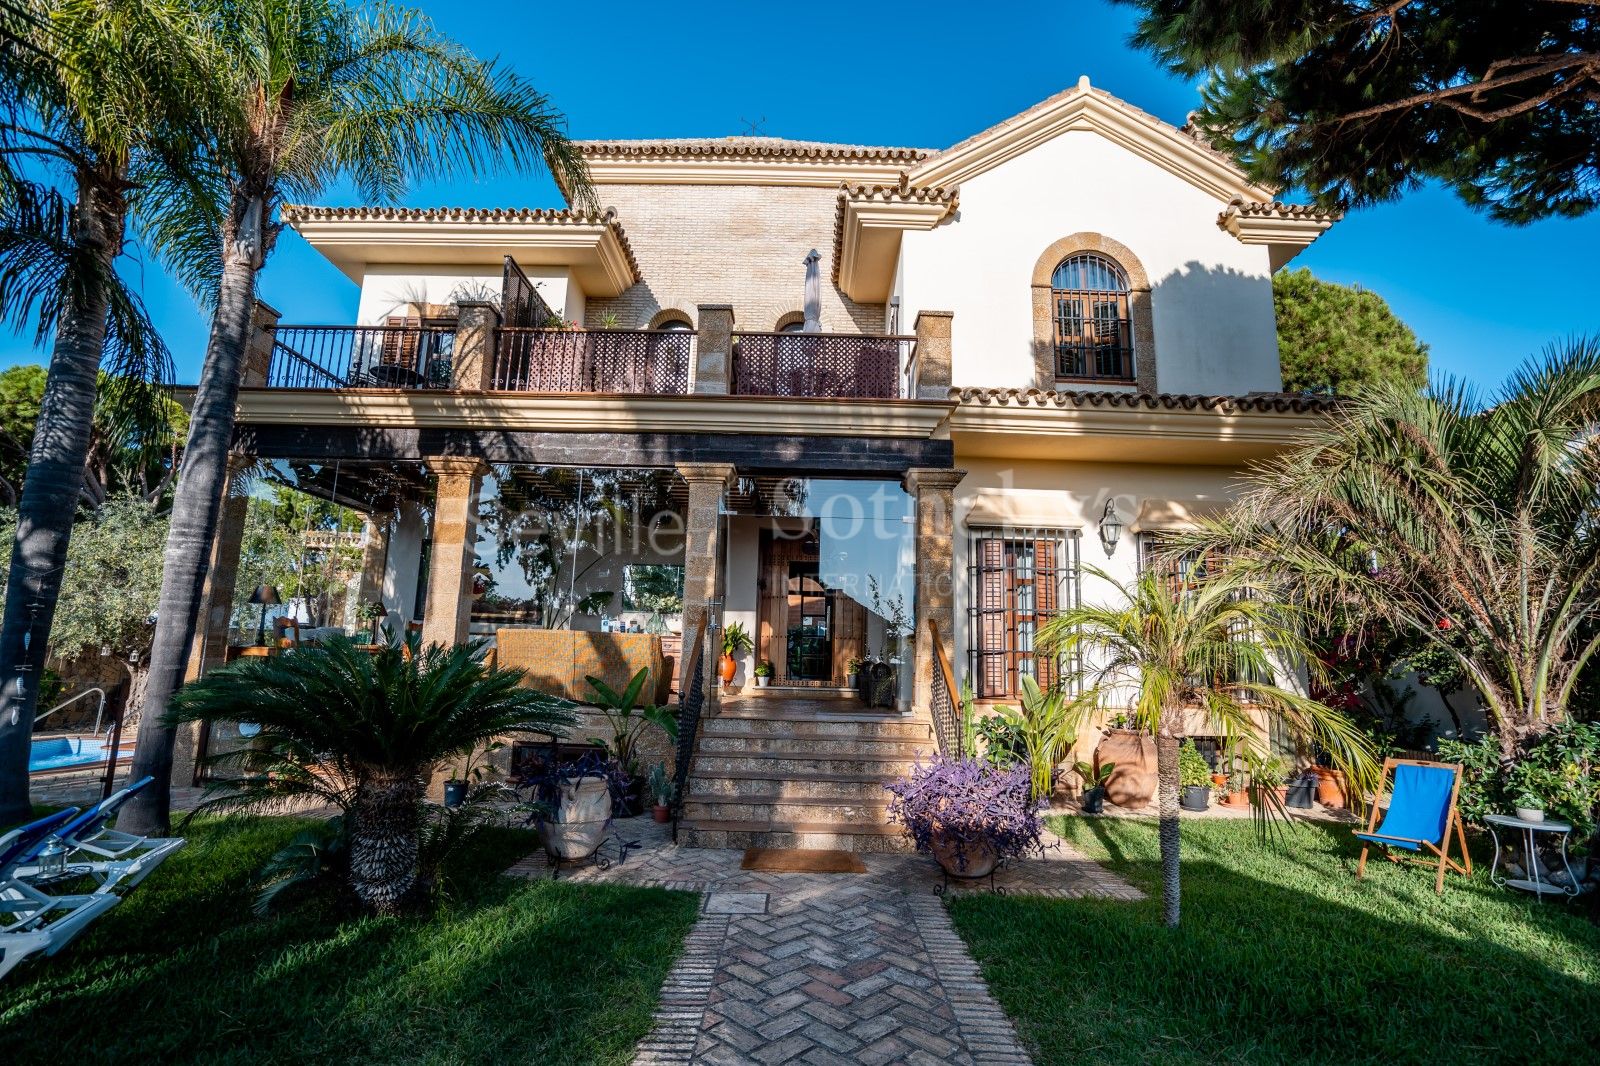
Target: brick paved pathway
{"x":822,"y":969}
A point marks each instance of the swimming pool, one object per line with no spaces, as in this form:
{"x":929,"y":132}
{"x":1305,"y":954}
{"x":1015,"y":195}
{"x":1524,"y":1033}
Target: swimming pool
{"x":57,"y":753}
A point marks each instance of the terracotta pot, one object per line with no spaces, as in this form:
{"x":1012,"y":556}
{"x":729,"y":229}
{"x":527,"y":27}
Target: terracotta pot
{"x":980,"y":857}
{"x":1219,"y":782}
{"x":727,"y":666}
{"x":1330,"y":787}
{"x":1133,"y":782}
{"x":1237,"y":798}
{"x":661,"y":812}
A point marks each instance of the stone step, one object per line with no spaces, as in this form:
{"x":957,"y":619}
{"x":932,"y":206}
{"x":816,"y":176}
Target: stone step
{"x":776,"y":744}
{"x":785,"y":765}
{"x":895,"y":728}
{"x":760,"y":784}
{"x":699,"y":808}
{"x":716,"y":833}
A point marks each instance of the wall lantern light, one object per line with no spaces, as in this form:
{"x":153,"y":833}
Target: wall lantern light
{"x":1110,"y":527}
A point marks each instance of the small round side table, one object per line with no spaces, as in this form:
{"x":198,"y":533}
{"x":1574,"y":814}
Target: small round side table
{"x":1529,"y":830}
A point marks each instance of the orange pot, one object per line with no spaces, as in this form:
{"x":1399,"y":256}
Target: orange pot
{"x":1133,"y":782}
{"x":1330,"y":787}
{"x":727,"y":667}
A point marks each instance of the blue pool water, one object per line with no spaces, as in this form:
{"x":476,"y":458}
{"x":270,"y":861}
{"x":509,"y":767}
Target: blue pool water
{"x":54,"y":753}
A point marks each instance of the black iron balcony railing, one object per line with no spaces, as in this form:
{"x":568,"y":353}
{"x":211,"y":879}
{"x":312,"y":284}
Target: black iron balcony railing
{"x":819,"y":365}
{"x":372,"y":357}
{"x":650,"y":362}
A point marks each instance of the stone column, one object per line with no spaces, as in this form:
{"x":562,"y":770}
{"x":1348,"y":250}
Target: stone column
{"x":933,"y":490}
{"x":702,"y":566}
{"x":258,"y":354}
{"x":472,"y":358}
{"x":713,"y":350}
{"x":933,"y":356}
{"x":455,"y":538}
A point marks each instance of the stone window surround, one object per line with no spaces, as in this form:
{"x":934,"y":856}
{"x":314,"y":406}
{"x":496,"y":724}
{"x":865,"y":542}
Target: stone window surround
{"x":1144,"y":334}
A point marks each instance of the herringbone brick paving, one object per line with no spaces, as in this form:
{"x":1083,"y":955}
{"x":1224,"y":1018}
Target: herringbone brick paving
{"x":836,"y":968}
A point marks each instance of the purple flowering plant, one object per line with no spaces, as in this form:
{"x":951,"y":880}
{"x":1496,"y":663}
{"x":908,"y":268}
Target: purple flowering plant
{"x":972,"y":805}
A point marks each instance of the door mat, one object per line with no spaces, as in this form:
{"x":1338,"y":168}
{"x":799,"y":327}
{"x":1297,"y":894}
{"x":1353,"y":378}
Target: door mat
{"x":801,"y":861}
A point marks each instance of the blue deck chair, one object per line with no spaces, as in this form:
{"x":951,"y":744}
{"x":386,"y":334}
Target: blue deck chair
{"x":1421,"y":814}
{"x":116,"y":860}
{"x":30,"y":920}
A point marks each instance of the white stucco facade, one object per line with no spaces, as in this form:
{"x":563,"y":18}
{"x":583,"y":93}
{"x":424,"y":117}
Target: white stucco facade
{"x":1211,"y":295}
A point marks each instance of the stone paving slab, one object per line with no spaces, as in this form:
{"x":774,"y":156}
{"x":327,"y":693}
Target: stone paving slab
{"x":823,"y":969}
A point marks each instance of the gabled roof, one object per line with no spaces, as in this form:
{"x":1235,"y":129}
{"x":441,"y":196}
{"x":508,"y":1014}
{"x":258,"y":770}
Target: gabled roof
{"x":867,"y":229}
{"x":1084,"y":107}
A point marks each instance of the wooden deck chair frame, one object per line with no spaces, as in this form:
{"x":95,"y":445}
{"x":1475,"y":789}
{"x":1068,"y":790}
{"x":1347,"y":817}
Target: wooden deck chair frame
{"x":1452,"y":826}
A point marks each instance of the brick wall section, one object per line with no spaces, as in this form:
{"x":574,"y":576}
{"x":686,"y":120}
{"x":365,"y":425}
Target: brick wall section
{"x":720,"y":244}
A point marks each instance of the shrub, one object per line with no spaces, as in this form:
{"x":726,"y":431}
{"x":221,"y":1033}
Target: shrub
{"x":969,"y":804}
{"x":1193,"y":770}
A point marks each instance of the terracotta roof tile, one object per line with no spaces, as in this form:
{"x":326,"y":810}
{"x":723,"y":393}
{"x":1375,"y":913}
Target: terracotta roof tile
{"x":903,"y":194}
{"x":1262,"y":402}
{"x":546,"y":216}
{"x":750,"y":148}
{"x":1277,"y":209}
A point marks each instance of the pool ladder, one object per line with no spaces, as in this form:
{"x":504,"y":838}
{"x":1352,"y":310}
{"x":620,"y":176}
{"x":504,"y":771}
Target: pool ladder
{"x":99,"y":711}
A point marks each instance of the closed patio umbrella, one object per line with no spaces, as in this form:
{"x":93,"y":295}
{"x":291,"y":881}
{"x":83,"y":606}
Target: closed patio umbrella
{"x":813,"y":323}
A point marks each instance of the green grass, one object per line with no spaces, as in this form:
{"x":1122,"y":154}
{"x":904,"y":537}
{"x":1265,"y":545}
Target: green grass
{"x":1283,"y":956}
{"x":504,"y":970}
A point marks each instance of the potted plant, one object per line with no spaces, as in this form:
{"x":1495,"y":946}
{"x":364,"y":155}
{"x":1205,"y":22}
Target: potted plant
{"x":1046,"y":726}
{"x":1270,"y":776}
{"x":664,"y":791}
{"x":628,"y":722}
{"x":1194,"y":776}
{"x":1301,"y":791}
{"x":1528,"y":806}
{"x":763,"y":672}
{"x":1093,"y":800}
{"x":1234,"y":793}
{"x":967,"y":814}
{"x":574,"y":806}
{"x":735,"y":641}
{"x":369,"y":614}
{"x":852,"y":671}
{"x":474,"y":768}
{"x":1330,"y":787}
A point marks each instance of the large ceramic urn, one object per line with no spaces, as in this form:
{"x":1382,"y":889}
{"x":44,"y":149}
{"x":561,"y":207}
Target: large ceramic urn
{"x":1133,"y":782}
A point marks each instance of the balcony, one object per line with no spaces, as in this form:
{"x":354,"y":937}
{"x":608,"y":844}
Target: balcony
{"x":372,"y":357}
{"x":434,"y":355}
{"x":635,"y":362}
{"x":833,"y":365}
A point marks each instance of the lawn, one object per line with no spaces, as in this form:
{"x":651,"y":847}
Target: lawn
{"x":1284,"y":957}
{"x":506,"y":969}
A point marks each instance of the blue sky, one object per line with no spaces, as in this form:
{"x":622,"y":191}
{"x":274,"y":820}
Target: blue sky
{"x":928,"y":77}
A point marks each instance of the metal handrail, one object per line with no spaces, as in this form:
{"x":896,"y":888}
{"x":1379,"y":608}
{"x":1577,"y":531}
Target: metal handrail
{"x":69,"y":702}
{"x":692,"y":702}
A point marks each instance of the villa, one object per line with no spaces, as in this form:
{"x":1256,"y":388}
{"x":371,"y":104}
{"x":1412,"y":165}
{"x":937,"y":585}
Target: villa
{"x":881,"y":408}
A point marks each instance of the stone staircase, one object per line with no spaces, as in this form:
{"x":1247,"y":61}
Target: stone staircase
{"x":772,"y":773}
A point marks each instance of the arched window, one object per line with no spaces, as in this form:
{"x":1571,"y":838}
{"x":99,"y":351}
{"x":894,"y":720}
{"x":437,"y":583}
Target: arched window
{"x":674,"y":324}
{"x":1093,"y":334}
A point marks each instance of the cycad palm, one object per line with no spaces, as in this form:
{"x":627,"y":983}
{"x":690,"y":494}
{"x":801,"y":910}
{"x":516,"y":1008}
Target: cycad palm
{"x":313,"y":93}
{"x":90,"y":91}
{"x":362,"y":731}
{"x":1173,"y":653}
{"x":1469,"y":524}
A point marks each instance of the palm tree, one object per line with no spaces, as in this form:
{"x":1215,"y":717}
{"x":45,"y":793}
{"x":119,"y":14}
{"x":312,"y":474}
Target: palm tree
{"x":362,"y":731}
{"x":90,"y":88}
{"x":317,"y":93}
{"x":1471,"y":525}
{"x":1208,"y":648}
